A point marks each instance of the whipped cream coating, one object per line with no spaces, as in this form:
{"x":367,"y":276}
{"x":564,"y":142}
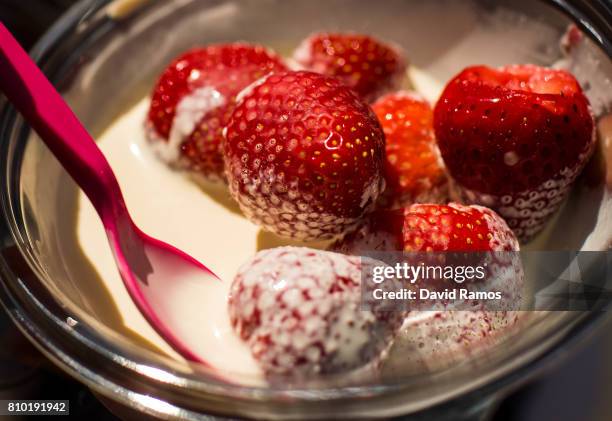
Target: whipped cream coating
{"x":189,"y":111}
{"x":299,"y":309}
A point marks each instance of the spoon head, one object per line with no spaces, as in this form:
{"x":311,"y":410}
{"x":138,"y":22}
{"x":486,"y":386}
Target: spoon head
{"x":170,"y":288}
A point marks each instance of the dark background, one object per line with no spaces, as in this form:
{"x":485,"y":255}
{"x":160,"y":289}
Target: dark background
{"x":577,"y":389}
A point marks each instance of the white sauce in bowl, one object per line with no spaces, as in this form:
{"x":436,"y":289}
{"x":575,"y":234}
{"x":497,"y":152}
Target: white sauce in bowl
{"x":204,"y":222}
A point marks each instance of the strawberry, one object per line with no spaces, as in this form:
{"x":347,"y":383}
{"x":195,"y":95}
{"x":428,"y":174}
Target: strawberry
{"x":441,"y":339}
{"x":448,"y":331}
{"x":367,"y":65}
{"x":193,"y":99}
{"x":413,"y":171}
{"x":515,"y":139}
{"x":304,"y":156}
{"x":432,"y":227}
{"x":299,"y":311}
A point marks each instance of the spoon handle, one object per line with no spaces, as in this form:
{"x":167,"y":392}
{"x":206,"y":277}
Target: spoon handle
{"x":44,"y":109}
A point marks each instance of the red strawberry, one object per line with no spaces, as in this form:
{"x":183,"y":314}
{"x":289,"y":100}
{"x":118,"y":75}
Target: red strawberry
{"x":432,"y":227}
{"x":300,"y":312}
{"x":367,"y":65}
{"x":414,"y":171}
{"x":304,"y":156}
{"x":515,"y":139}
{"x":193,"y":99}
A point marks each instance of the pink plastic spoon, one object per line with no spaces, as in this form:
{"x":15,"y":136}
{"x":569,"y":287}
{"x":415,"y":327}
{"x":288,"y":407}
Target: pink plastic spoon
{"x":152,"y":271}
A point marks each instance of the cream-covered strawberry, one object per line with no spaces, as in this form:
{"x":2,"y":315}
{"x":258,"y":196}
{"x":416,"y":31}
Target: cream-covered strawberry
{"x":193,"y":99}
{"x":369,"y":66}
{"x":300,"y":312}
{"x":458,"y":236}
{"x":434,"y":340}
{"x":304,"y":155}
{"x":439,"y":333}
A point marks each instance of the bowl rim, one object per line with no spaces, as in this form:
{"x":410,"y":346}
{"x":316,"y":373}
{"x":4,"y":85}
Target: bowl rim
{"x":19,"y":304}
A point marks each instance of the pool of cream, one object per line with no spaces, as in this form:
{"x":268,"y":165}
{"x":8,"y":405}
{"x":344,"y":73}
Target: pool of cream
{"x":168,"y":205}
{"x":204,"y":222}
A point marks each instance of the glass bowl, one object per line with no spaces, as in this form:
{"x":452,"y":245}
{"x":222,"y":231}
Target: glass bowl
{"x":105,"y":55}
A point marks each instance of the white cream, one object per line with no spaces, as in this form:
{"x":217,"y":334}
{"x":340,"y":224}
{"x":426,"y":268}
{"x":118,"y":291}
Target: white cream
{"x":249,"y":90}
{"x":189,"y":111}
{"x":423,"y":83}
